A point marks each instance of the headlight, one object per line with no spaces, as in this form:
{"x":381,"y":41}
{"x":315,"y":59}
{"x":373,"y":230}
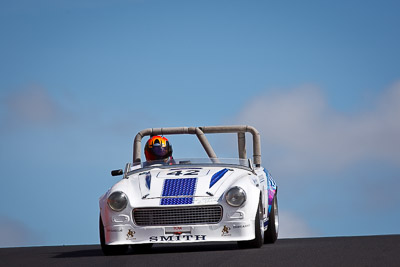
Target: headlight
{"x":235,"y":196}
{"x":117,"y":201}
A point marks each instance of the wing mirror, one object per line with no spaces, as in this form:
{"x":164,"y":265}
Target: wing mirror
{"x":117,"y":172}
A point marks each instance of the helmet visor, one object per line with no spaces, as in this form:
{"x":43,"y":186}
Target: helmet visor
{"x":159,"y":151}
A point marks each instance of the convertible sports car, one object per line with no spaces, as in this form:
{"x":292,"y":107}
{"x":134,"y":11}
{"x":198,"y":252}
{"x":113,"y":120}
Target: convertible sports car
{"x":191,"y":200}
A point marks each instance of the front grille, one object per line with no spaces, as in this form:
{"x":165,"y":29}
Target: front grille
{"x":177,"y":215}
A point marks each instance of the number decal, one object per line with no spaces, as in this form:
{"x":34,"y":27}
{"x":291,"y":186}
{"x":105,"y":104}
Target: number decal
{"x":175,"y":173}
{"x":184,"y":172}
{"x":192,"y":172}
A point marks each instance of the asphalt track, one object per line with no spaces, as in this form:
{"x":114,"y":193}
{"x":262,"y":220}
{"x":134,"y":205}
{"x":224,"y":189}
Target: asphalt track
{"x":332,"y":251}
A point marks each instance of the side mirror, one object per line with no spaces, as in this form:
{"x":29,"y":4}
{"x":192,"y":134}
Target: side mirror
{"x":117,"y":172}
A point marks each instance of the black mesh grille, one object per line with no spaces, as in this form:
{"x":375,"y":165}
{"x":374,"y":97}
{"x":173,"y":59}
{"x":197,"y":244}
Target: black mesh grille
{"x":177,"y":215}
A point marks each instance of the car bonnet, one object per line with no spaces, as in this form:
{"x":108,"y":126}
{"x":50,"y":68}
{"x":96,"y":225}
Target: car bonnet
{"x":183,"y":183}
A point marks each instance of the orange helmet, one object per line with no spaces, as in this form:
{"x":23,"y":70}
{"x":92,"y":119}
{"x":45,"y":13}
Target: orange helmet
{"x":157,"y":148}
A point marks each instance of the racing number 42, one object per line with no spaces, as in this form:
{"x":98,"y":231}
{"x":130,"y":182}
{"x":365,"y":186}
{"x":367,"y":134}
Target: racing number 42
{"x":184,"y":172}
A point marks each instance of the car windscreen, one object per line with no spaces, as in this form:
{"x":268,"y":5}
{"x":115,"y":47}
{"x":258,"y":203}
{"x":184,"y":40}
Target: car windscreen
{"x":243,"y":163}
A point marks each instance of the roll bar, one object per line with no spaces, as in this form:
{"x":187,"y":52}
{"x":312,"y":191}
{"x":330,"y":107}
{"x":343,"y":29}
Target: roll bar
{"x":200,"y":133}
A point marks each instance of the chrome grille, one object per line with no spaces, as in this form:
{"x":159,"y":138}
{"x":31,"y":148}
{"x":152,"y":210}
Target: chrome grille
{"x":177,"y":215}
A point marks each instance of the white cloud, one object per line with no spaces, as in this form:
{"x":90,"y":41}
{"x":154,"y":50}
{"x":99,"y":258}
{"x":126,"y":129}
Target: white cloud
{"x":305,"y":134}
{"x":293,"y":226}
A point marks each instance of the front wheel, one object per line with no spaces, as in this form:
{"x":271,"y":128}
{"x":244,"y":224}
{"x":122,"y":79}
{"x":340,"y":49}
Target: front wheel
{"x":258,"y":241}
{"x":107,"y":249}
{"x":273,"y":223}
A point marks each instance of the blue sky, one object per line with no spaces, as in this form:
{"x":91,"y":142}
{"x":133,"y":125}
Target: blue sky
{"x":79,"y":79}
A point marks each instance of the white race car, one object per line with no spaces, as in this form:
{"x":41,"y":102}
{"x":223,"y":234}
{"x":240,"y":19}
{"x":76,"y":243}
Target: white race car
{"x":191,"y":200}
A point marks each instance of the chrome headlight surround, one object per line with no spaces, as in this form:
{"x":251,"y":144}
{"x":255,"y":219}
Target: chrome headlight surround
{"x":117,"y":201}
{"x":235,"y":196}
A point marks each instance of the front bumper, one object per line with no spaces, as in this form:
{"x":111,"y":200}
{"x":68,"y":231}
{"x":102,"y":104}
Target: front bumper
{"x":223,"y":231}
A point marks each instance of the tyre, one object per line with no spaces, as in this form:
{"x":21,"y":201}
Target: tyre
{"x":258,"y":241}
{"x":108,"y":249}
{"x":271,"y":234}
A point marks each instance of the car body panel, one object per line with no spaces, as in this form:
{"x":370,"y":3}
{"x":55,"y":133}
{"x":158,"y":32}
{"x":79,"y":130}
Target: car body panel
{"x":180,"y":189}
{"x":145,"y":189}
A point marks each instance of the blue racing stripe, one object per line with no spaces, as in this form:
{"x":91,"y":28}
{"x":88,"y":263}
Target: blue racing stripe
{"x":218,"y":175}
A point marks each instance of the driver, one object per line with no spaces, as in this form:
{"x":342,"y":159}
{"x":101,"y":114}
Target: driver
{"x":158,"y":148}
